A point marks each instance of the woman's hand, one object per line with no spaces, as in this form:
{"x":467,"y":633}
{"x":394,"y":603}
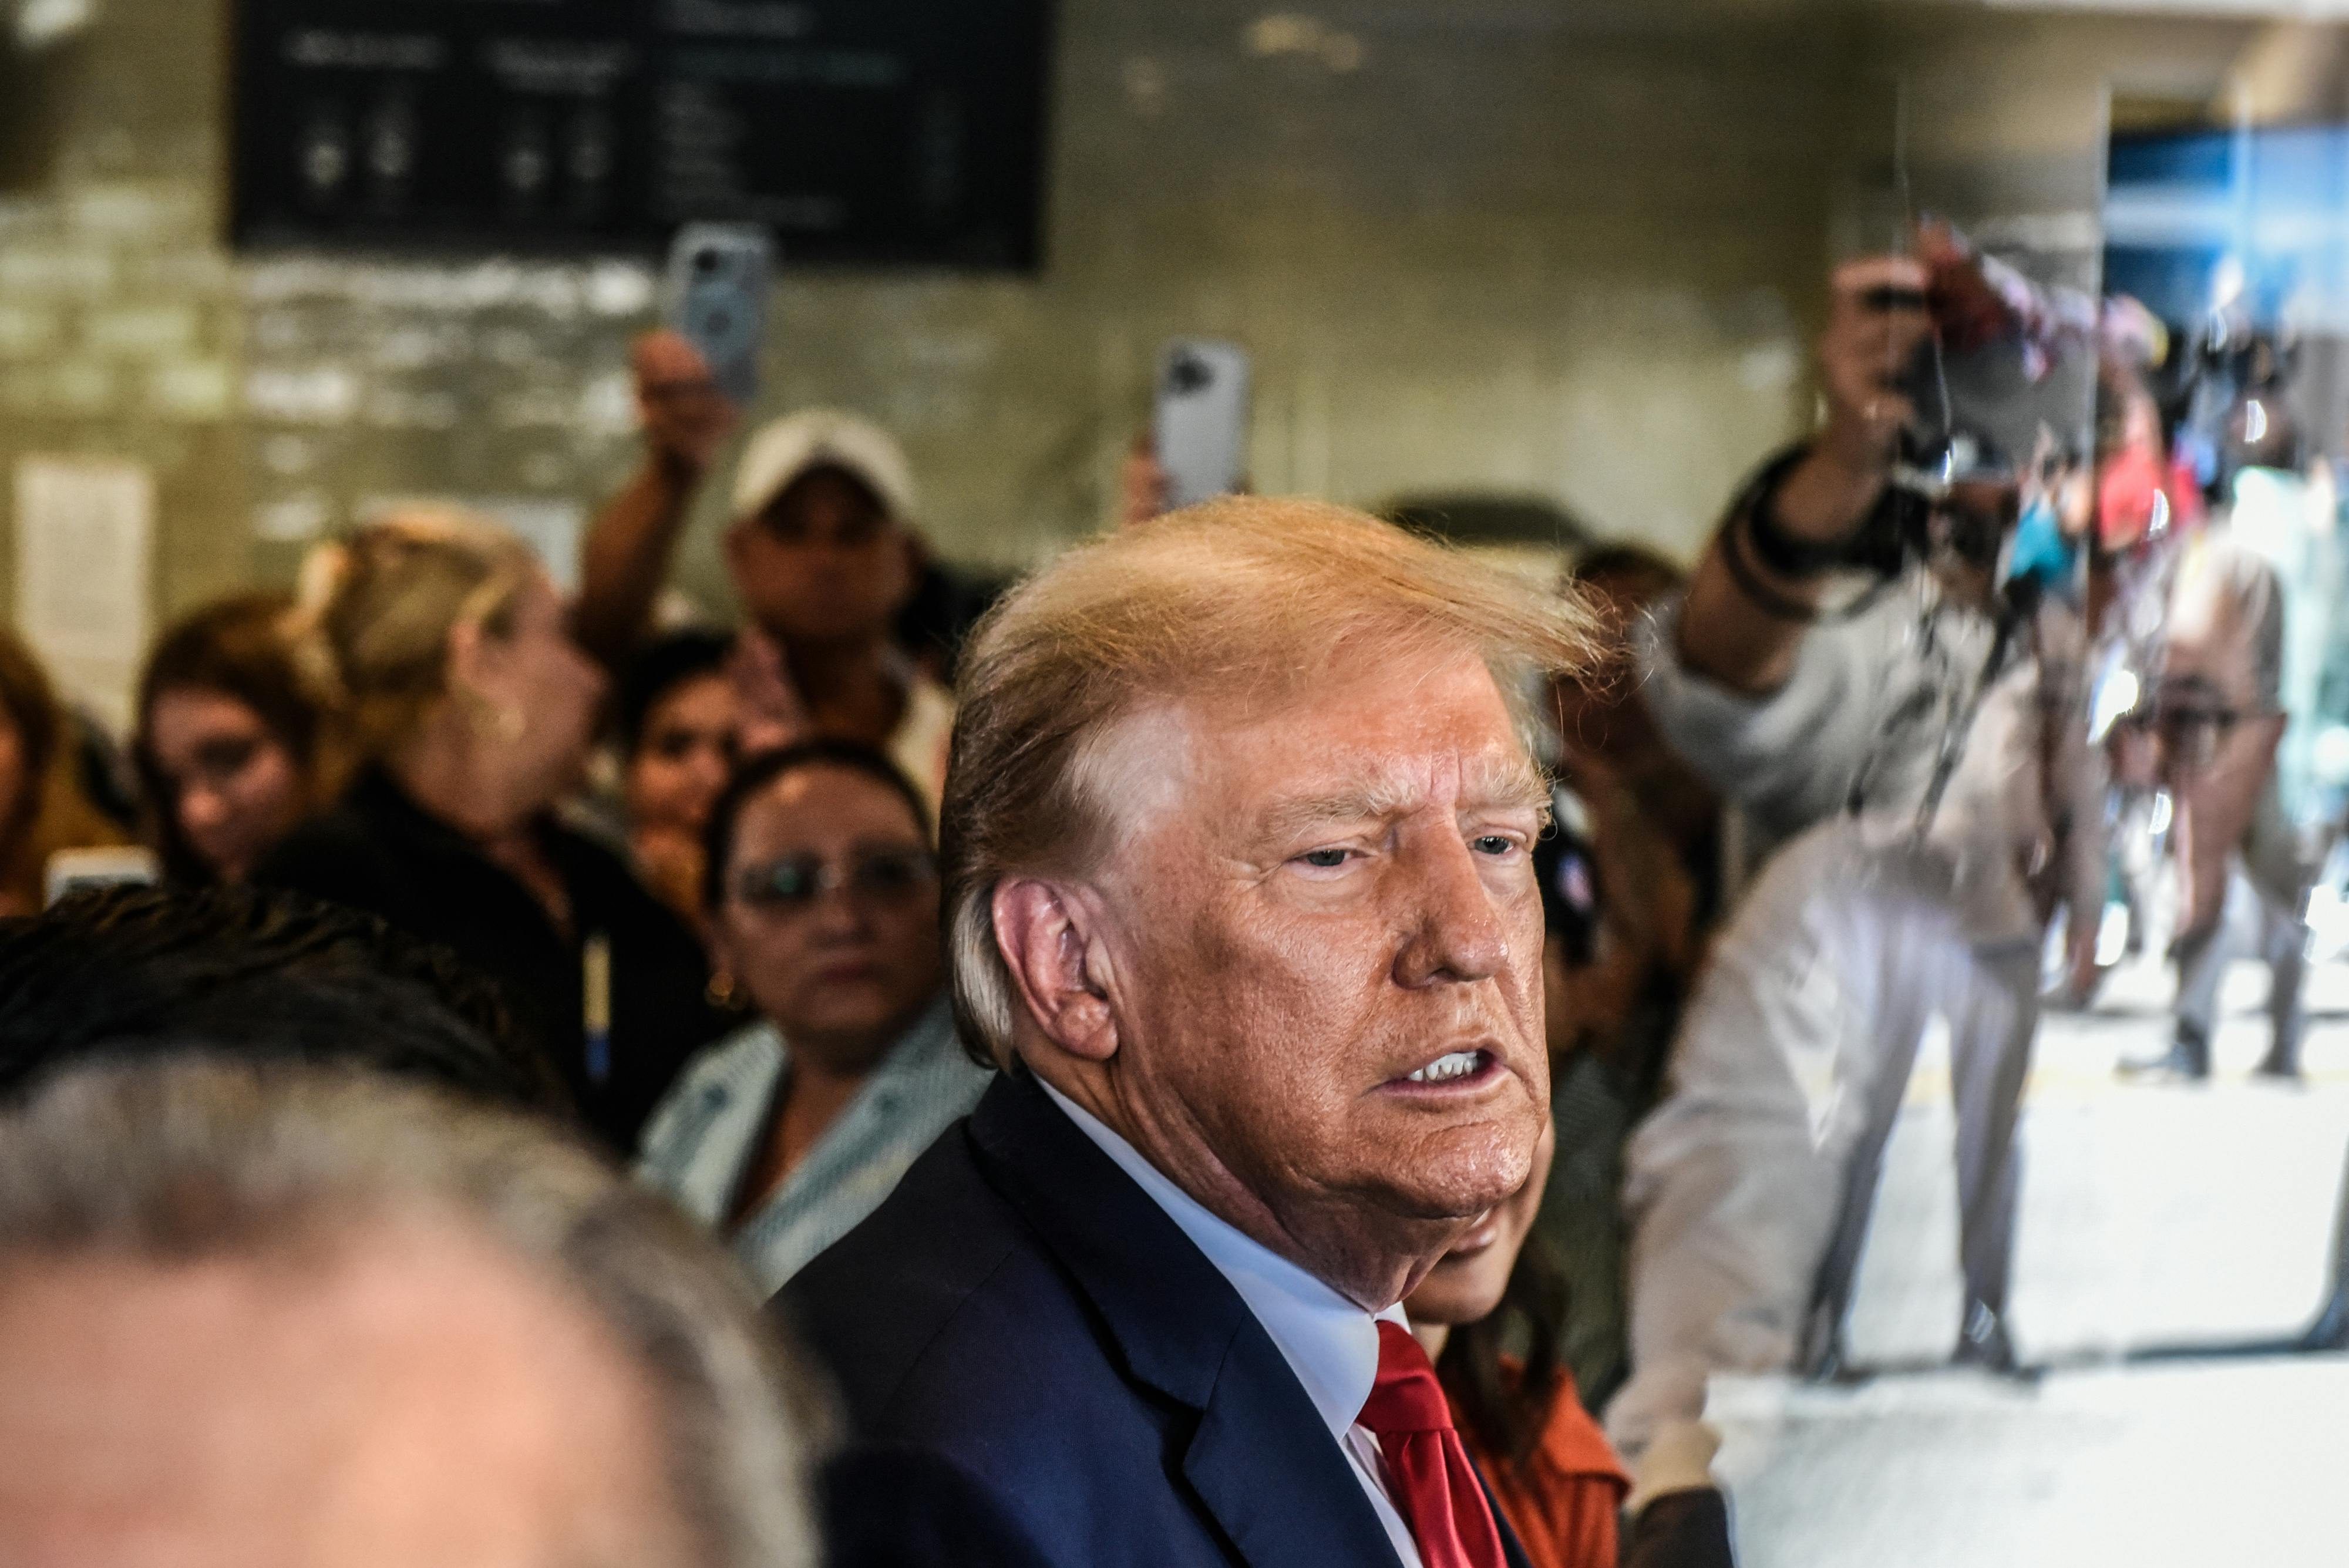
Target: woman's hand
{"x":773,"y":716}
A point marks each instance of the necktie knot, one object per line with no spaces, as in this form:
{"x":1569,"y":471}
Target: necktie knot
{"x":1431,"y":1481}
{"x":1406,"y":1397}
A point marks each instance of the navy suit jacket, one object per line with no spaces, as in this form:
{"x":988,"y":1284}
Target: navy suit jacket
{"x":1040,"y":1368}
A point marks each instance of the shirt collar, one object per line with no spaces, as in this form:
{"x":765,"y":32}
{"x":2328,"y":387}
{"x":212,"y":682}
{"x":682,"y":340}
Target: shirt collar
{"x":1329,"y":1343}
{"x":929,"y":1039}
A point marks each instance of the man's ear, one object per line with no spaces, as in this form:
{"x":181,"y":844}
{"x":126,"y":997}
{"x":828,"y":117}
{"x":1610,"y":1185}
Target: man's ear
{"x":1051,"y":945}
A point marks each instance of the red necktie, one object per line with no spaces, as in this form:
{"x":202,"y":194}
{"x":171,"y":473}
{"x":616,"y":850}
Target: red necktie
{"x":1435,"y":1489}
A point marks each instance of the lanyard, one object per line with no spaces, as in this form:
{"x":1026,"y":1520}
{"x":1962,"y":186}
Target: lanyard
{"x":596,"y":1004}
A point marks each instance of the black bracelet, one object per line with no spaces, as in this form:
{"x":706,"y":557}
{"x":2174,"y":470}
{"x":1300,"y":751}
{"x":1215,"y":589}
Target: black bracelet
{"x":1761,"y":595}
{"x":1772,"y":546}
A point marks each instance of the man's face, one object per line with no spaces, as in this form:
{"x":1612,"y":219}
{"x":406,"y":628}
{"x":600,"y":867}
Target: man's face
{"x":1328,"y":958}
{"x":823,"y":564}
{"x":403,"y":1397}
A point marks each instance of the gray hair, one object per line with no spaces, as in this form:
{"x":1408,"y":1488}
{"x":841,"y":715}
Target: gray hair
{"x":1245,"y":596}
{"x":189,"y":1157}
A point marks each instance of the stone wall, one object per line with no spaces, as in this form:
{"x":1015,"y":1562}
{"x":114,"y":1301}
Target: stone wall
{"x":1569,"y":250}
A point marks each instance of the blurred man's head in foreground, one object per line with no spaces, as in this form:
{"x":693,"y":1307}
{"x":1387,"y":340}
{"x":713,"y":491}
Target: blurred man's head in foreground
{"x":257,"y":975}
{"x":276,"y":1315}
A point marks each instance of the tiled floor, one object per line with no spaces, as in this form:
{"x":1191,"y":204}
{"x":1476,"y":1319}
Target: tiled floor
{"x":2186,"y":1217}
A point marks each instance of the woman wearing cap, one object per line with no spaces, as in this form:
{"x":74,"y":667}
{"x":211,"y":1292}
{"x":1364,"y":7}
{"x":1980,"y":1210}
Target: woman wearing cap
{"x":472,"y":710}
{"x":820,"y":550}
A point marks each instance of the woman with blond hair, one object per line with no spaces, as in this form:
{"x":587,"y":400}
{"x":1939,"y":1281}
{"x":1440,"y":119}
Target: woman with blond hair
{"x":42,"y":808}
{"x":471,"y":712}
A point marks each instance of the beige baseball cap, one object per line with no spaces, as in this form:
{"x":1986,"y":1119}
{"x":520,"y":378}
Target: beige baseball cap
{"x":781,"y":452}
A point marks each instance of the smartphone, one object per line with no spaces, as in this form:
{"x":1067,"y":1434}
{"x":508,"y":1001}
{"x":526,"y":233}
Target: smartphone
{"x":717,"y":287}
{"x":1201,"y":421}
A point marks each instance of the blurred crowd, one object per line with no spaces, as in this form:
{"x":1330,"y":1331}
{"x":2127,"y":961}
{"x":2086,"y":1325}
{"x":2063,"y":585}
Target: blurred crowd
{"x":557,"y":982}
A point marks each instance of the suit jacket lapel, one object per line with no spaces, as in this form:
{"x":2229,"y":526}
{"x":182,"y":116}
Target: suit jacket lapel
{"x":1511,"y":1547}
{"x":1258,"y":1419}
{"x":1260,"y":1459}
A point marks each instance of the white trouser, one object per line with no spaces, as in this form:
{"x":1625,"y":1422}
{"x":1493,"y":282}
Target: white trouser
{"x":1749,"y":1189}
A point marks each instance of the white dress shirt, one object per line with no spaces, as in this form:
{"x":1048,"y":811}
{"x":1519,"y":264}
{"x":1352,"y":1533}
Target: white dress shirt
{"x":1331,"y":1343}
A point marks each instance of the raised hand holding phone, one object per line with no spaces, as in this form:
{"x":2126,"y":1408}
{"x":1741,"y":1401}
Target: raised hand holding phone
{"x":1200,"y":426}
{"x":720,"y":276}
{"x":685,"y":416}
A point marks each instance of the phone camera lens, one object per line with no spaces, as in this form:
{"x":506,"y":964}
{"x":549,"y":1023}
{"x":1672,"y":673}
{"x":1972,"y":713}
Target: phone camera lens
{"x":1188,"y":373}
{"x":705,"y":262}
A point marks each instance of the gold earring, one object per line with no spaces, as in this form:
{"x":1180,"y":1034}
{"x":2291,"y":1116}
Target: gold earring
{"x":720,"y":992}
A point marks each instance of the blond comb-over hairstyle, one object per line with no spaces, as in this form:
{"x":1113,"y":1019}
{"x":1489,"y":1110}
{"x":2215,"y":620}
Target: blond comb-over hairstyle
{"x":1241,"y":600}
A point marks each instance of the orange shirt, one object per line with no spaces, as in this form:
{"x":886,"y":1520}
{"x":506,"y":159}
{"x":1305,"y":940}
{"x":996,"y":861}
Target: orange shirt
{"x":1564,"y":1501}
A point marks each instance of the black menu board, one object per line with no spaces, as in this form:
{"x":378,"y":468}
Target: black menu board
{"x":858,"y":130}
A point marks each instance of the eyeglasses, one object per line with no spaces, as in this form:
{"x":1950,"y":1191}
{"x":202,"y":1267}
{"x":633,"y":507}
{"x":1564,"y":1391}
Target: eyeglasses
{"x":876,"y":877}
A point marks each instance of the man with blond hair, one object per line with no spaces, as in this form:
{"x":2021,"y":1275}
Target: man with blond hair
{"x":1236,"y":853}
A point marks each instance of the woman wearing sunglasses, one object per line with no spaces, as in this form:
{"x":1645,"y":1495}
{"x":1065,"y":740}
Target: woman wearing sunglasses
{"x":822,"y":904}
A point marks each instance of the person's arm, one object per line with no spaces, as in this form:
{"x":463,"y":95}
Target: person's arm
{"x":626,"y":557}
{"x":1787,"y":755}
{"x":2076,"y":789}
{"x":1727,"y":633}
{"x":1678,"y":1516}
{"x":1682,"y":1530}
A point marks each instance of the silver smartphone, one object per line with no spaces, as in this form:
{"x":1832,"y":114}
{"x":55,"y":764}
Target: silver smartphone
{"x":718,"y":282}
{"x":1201,"y":421}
